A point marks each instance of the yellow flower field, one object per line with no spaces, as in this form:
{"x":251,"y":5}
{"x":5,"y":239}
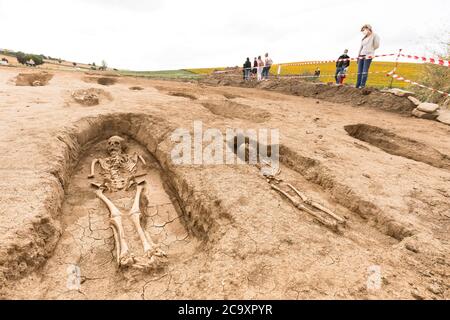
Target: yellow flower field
{"x":411,"y":71}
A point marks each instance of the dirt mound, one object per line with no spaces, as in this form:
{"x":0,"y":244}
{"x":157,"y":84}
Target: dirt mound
{"x":90,"y":97}
{"x":230,"y":109}
{"x":136,"y":88}
{"x":33,"y":79}
{"x":330,"y":92}
{"x":183,"y":95}
{"x":399,"y":146}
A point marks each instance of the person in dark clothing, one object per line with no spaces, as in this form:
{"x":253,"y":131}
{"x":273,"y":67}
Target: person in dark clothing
{"x":247,"y":69}
{"x":342,"y":64}
{"x":255,"y":66}
{"x":317,"y":73}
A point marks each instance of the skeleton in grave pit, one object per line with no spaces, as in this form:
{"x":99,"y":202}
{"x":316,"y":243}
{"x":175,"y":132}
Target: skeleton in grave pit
{"x":119,"y":170}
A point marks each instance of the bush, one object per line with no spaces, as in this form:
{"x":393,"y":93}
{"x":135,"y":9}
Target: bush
{"x":438,"y":77}
{"x":24,"y":58}
{"x":38,"y":59}
{"x":21,"y":57}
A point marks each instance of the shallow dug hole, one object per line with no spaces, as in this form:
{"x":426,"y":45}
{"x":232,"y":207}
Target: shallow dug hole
{"x":104,"y":81}
{"x":398,"y":145}
{"x":33,"y":79}
{"x":90,"y":97}
{"x":230,"y":109}
{"x":182,"y":95}
{"x":136,"y":88}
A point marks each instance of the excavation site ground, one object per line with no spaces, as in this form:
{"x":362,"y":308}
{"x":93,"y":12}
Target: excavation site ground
{"x":217,"y":231}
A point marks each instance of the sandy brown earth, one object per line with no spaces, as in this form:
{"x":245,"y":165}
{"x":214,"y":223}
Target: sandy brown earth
{"x":226,"y":232}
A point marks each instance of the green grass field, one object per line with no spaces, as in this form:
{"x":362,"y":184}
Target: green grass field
{"x":164,"y":74}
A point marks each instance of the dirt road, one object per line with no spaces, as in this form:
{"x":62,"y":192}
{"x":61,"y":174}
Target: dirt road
{"x":226,"y":232}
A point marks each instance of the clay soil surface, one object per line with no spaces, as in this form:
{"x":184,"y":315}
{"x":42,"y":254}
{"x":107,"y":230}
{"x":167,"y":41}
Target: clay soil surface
{"x":227,"y":234}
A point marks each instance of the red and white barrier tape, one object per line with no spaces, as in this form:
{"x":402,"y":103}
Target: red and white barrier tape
{"x":328,"y":75}
{"x":293,"y":76}
{"x":438,"y":61}
{"x":400,"y":78}
{"x":338,"y":60}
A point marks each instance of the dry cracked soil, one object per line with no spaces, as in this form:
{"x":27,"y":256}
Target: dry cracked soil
{"x":227,"y":234}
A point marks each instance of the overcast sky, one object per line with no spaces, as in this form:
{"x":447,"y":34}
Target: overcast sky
{"x":173,"y":34}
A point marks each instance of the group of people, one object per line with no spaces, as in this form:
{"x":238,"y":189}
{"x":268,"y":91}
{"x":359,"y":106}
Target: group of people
{"x":260,"y":69}
{"x":369,"y":43}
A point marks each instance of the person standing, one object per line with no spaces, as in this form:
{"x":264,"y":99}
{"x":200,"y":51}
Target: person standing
{"x":259,"y":68}
{"x":255,"y":67}
{"x":247,"y":69}
{"x":369,"y":44}
{"x":317,"y":73}
{"x":342,"y":64}
{"x":267,"y":65}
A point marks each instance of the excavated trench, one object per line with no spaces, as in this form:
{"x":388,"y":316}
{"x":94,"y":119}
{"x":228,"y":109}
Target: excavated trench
{"x":35,"y":79}
{"x":174,"y":216}
{"x":398,"y":145}
{"x":231,"y":109}
{"x":182,"y":95}
{"x":315,"y":172}
{"x":104,"y":81}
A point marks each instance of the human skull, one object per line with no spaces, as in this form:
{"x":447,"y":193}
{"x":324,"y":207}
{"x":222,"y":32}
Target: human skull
{"x":115,"y":144}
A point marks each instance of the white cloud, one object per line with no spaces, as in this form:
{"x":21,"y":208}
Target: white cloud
{"x":172,"y":34}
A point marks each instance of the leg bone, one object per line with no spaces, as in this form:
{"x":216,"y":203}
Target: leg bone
{"x":135,"y":214}
{"x":124,"y":258}
{"x":317,"y":205}
{"x":299,"y":206}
